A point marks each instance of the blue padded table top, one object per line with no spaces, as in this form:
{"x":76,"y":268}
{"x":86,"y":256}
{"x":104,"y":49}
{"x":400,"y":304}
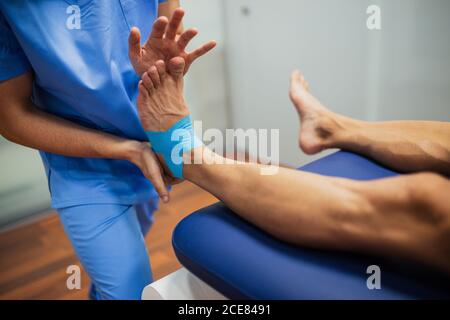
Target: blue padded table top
{"x":244,"y":262}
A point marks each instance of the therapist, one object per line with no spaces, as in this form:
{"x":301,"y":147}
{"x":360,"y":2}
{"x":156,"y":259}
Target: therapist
{"x":68,"y":89}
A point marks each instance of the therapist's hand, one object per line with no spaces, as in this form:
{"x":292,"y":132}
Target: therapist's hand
{"x":163,"y":44}
{"x":145,"y":159}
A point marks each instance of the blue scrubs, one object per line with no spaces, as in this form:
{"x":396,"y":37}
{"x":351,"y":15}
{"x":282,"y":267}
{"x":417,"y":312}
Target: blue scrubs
{"x":78,"y":52}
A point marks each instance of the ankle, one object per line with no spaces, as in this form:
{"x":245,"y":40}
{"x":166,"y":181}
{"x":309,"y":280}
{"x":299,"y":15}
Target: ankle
{"x":344,"y":130}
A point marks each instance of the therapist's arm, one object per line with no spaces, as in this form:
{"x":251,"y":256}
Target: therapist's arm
{"x":23,"y":123}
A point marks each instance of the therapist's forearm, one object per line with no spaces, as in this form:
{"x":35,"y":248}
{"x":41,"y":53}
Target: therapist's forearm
{"x":33,"y":128}
{"x":25,"y":124}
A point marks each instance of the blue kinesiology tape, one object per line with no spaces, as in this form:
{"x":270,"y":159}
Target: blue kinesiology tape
{"x":171,"y":144}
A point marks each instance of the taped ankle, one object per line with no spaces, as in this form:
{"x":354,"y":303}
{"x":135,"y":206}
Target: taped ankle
{"x":172,"y":143}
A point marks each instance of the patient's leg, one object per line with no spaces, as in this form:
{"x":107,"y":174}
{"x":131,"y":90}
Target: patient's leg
{"x":402,"y":145}
{"x":405,"y":216}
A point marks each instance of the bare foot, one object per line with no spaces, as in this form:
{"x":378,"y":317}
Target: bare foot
{"x":318,"y":124}
{"x":160,"y":102}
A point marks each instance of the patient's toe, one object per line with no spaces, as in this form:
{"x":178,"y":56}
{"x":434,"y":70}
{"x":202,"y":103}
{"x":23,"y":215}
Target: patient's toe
{"x":154,"y":76}
{"x":147,"y":82}
{"x":161,"y":67}
{"x":176,"y":67}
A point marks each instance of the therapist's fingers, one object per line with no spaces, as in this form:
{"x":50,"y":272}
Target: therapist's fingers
{"x":134,"y":43}
{"x":174,"y":24}
{"x":170,"y":181}
{"x":147,"y":82}
{"x":153,"y":171}
{"x":159,"y":28}
{"x":154,"y":75}
{"x":186,"y":37}
{"x":201,"y":51}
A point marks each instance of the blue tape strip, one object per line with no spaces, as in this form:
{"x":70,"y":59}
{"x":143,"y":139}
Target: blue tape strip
{"x":171,"y":144}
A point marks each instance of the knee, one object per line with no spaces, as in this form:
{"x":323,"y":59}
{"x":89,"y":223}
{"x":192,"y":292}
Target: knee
{"x":428,"y":193}
{"x":425,"y":186}
{"x":431,"y":198}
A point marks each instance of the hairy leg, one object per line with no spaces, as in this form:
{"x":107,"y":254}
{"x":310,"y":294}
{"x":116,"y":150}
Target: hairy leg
{"x":412,"y":216}
{"x":405,"y":146}
{"x":408,"y":214}
{"x":411,"y":219}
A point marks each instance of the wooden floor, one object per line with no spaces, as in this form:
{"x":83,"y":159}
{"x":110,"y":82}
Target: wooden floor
{"x":34,"y":257}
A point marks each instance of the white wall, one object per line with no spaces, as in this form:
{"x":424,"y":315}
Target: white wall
{"x":415,"y":60}
{"x":206,"y":89}
{"x":401,"y":71}
{"x":23,"y":185}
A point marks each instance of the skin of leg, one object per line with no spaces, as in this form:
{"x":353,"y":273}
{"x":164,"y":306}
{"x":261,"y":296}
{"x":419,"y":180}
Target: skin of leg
{"x":406,"y":146}
{"x":325,"y":212}
{"x":332,"y":213}
{"x":413,"y":215}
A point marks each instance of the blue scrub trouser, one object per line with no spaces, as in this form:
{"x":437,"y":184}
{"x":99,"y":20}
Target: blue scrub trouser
{"x":109,"y":241}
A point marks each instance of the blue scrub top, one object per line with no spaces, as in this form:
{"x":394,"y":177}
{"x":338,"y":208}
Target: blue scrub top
{"x":83,"y":75}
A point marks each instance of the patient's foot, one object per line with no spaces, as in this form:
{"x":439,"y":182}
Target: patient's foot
{"x":318,"y":124}
{"x":160,"y":102}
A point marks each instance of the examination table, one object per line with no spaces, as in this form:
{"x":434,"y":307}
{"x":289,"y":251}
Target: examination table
{"x":243,"y":262}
